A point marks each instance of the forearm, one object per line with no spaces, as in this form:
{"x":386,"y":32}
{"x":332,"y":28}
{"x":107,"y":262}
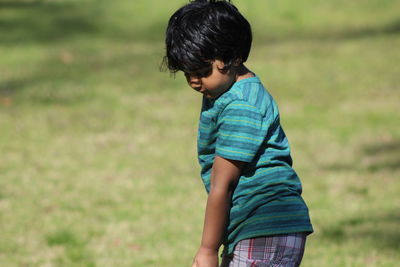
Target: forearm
{"x":216,"y":217}
{"x":224,"y":176}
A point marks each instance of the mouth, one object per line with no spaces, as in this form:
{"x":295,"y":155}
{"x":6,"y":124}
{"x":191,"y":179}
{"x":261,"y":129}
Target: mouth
{"x":203,"y":92}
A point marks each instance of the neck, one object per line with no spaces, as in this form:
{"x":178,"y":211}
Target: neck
{"x":242,"y":72}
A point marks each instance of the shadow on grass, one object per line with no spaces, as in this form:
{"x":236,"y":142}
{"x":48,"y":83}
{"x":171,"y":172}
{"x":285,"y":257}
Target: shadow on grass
{"x":48,"y":82}
{"x":39,"y":21}
{"x":48,"y":22}
{"x":384,"y":155}
{"x":60,"y":81}
{"x":390,"y":28}
{"x":378,"y":230}
{"x":333,"y":35}
{"x":69,"y":75}
{"x":379,"y":156}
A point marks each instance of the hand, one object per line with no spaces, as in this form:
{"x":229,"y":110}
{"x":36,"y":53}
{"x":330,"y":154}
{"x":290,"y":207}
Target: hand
{"x":206,"y":258}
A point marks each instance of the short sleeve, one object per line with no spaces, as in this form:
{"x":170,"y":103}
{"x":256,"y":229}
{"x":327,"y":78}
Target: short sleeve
{"x":241,"y":131}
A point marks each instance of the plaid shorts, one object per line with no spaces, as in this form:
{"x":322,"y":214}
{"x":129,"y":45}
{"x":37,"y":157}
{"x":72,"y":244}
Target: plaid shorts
{"x":275,"y":251}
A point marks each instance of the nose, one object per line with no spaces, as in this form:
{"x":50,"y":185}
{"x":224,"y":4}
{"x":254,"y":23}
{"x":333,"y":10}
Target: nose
{"x":193,"y":81}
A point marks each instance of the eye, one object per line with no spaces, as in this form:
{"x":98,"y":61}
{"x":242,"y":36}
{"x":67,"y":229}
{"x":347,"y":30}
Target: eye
{"x":204,"y":72}
{"x":199,"y":73}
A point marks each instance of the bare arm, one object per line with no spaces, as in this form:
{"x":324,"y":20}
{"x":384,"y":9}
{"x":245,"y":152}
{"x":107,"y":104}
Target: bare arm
{"x":224,"y":176}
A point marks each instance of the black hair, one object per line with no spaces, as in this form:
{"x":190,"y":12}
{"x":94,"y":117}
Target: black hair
{"x":203,"y":31}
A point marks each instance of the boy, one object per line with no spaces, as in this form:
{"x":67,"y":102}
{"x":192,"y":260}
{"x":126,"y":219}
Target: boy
{"x":254,"y":204}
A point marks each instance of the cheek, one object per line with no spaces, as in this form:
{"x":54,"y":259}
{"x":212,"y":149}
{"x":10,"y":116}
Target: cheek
{"x":212,"y":85}
{"x":218,"y":83}
{"x":223,"y":84}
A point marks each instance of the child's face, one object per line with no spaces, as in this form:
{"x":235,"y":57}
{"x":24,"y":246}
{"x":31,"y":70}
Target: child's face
{"x":212,"y":84}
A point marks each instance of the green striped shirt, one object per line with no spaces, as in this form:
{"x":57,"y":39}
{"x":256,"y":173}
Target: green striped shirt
{"x":243,"y":124}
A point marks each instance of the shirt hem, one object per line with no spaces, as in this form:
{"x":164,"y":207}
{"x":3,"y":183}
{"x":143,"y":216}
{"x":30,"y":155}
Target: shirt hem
{"x":228,"y":249}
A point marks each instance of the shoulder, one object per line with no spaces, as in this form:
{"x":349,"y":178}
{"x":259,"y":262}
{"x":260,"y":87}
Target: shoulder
{"x":249,"y":95}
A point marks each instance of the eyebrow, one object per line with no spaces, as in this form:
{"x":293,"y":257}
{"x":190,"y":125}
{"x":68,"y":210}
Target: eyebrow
{"x":200,"y":72}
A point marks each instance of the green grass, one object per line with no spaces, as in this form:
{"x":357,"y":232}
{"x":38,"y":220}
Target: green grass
{"x":98,"y":155}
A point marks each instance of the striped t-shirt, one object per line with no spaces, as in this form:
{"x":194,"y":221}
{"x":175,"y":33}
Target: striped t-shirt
{"x":243,"y":124}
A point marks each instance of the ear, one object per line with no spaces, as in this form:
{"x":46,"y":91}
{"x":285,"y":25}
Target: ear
{"x":219,"y":64}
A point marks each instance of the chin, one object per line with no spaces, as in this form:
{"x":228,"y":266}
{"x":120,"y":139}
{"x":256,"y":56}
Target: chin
{"x":210,"y":96}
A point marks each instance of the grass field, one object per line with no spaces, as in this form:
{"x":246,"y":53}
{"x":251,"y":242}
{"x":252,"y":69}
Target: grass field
{"x":98,"y":155}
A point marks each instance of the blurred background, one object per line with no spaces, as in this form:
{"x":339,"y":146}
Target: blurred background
{"x":98,"y":147}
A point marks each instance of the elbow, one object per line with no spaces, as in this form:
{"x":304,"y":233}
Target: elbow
{"x":223,"y":189}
